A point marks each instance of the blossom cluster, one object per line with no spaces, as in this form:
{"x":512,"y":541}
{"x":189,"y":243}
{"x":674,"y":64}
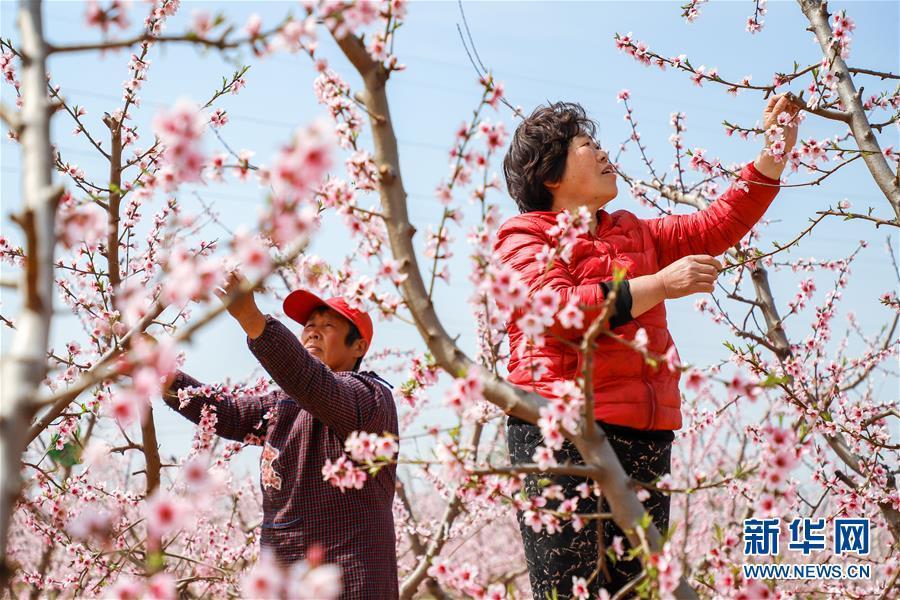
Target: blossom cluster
{"x":423,"y":373}
{"x":755,"y":22}
{"x":562,"y":413}
{"x":343,"y":474}
{"x":180,"y":130}
{"x":332,"y":91}
{"x":463,"y":577}
{"x":104,"y":18}
{"x":841,"y":28}
{"x":296,"y":172}
{"x":369,"y":447}
{"x":307,"y":579}
{"x":466,"y":393}
{"x":8,"y":68}
{"x":691,"y":10}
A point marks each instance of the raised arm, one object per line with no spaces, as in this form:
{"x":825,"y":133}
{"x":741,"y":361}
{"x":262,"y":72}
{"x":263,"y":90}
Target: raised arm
{"x":719,"y":226}
{"x":235,"y":418}
{"x":518,"y":245}
{"x":724,"y":222}
{"x":345,"y":401}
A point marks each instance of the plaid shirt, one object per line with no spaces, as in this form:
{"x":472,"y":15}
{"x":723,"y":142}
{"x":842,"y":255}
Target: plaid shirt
{"x":300,"y":425}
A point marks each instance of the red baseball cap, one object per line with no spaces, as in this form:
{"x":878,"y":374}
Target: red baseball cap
{"x":300,"y":303}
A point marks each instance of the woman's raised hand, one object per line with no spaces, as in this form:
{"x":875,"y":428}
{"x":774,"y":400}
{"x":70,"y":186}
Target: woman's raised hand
{"x":243,"y":306}
{"x":772,"y":115}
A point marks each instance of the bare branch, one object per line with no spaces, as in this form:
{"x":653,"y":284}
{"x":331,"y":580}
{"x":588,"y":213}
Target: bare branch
{"x":880,"y":74}
{"x":817,"y":14}
{"x":848,"y":216}
{"x":599,"y":326}
{"x":115,"y":197}
{"x":220,"y":43}
{"x":11,"y":118}
{"x":150,"y":449}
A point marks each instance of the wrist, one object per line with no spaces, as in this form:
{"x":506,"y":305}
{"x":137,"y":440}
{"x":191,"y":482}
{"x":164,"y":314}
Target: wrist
{"x":659,"y":286}
{"x":767,"y":165}
{"x":253,"y":323}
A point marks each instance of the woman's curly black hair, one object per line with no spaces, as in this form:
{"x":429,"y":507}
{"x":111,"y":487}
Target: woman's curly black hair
{"x":538,"y":150}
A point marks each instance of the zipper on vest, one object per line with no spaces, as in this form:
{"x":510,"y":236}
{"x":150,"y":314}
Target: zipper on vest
{"x":652,"y":395}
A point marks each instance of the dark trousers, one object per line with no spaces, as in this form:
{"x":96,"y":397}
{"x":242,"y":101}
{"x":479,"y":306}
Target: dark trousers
{"x":553,"y":560}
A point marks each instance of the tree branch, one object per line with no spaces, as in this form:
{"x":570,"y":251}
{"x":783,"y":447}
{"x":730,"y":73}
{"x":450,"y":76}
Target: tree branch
{"x":150,"y":449}
{"x":115,"y":198}
{"x":11,"y":118}
{"x":220,"y":43}
{"x":817,"y":14}
{"x":25,"y":365}
{"x":848,"y":216}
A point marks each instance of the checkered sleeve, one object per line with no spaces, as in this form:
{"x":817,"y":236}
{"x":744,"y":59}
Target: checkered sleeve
{"x":236,"y":419}
{"x":345,"y":402}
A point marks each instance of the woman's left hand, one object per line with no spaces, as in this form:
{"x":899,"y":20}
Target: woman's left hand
{"x":778,"y":104}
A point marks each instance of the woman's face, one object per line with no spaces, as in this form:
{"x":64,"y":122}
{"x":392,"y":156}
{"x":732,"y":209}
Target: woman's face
{"x":588,"y":179}
{"x":324,"y":337}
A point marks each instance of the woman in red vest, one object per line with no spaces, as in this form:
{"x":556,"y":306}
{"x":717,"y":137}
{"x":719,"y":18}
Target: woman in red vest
{"x":554,"y":164}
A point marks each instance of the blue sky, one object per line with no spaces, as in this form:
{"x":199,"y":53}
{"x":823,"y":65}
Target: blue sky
{"x":542,"y":52}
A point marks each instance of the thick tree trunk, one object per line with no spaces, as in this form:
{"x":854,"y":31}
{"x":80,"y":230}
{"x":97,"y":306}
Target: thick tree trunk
{"x":25,"y":365}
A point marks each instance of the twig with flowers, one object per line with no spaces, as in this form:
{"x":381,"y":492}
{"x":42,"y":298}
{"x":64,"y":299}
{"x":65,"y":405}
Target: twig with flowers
{"x":836,"y":84}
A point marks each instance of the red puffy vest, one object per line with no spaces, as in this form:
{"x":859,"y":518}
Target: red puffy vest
{"x":627,"y":391}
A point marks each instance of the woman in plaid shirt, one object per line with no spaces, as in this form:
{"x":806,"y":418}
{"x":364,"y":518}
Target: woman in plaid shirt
{"x":322,"y":398}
